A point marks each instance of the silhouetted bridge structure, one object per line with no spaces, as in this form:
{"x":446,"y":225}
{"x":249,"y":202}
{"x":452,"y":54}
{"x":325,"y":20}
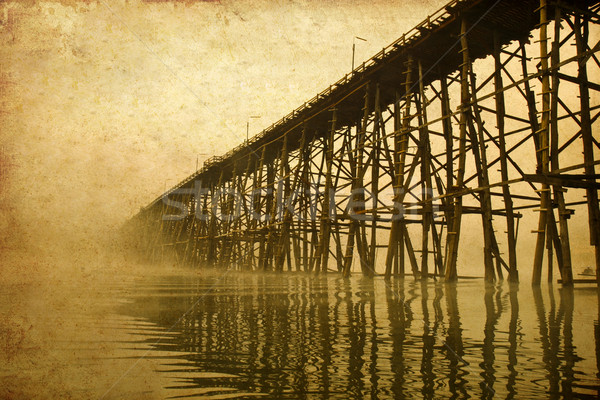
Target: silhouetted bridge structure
{"x":486,"y":107}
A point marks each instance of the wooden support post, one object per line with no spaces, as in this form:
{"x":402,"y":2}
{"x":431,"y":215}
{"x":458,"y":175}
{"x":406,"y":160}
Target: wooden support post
{"x":447,"y":130}
{"x":211,"y":256}
{"x":426,"y":186}
{"x":305,"y":204}
{"x":360,"y":216}
{"x":400,"y":143}
{"x":235,"y":204}
{"x":227,"y":209}
{"x":283,"y":246}
{"x":454,"y":233}
{"x":313,"y":202}
{"x":564,"y":255}
{"x":269,"y":226}
{"x":543,"y":148}
{"x":278,"y":214}
{"x":246,"y":190}
{"x":549,"y":238}
{"x":410,"y":251}
{"x":402,"y":127}
{"x":253,"y":208}
{"x":336,"y":224}
{"x":353,"y":229}
{"x":513,"y":275}
{"x":481,"y":165}
{"x":258,"y":201}
{"x":438,"y":254}
{"x":298,"y":199}
{"x":375,"y":155}
{"x":190,"y":244}
{"x":581,"y":36}
{"x":189,"y":234}
{"x":203,"y":244}
{"x":327,"y":204}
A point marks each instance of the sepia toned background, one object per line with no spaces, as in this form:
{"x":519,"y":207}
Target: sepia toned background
{"x":104,"y":105}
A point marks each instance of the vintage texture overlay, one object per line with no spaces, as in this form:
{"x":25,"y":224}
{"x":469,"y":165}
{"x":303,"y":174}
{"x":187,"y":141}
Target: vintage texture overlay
{"x":103,"y":105}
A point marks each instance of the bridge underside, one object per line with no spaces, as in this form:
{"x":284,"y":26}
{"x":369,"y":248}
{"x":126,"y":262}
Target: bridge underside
{"x":465,"y":114}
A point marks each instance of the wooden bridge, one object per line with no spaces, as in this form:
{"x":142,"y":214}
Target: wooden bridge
{"x":487,"y":107}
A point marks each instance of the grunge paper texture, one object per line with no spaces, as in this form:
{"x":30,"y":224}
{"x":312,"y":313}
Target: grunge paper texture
{"x":104,"y":105}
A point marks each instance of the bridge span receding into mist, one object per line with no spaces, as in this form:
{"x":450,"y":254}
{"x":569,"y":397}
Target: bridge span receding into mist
{"x":486,"y":108}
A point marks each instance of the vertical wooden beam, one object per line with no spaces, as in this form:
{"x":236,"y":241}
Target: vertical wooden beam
{"x":257,"y":205}
{"x":203,"y":244}
{"x":426,"y":186}
{"x":361,"y":238}
{"x":236,"y":203}
{"x":453,"y":235}
{"x":336,"y":223}
{"x":249,"y":211}
{"x":326,"y":207}
{"x":401,"y":126}
{"x":479,"y":153}
{"x":393,"y":243}
{"x":438,"y":253}
{"x":211,"y":256}
{"x":279,"y":246}
{"x":283,"y":246}
{"x":410,"y":251}
{"x":513,"y":275}
{"x":564,"y":255}
{"x":375,"y":155}
{"x":549,"y":261}
{"x":581,"y":37}
{"x":305,"y":204}
{"x":271,"y":210}
{"x":353,"y":226}
{"x":313,"y":202}
{"x":357,"y":230}
{"x":227,"y":224}
{"x":297,"y":224}
{"x":447,"y":130}
{"x":189,"y":243}
{"x":543,"y":149}
{"x":400,"y":143}
{"x":245,"y":210}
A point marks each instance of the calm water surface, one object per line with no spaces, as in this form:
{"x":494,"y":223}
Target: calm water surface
{"x":304,"y":336}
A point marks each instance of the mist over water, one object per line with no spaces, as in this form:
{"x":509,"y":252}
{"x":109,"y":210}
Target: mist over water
{"x":142,"y":331}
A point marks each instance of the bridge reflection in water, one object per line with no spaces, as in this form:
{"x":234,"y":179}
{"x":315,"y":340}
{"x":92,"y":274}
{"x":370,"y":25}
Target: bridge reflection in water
{"x":300,"y":336}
